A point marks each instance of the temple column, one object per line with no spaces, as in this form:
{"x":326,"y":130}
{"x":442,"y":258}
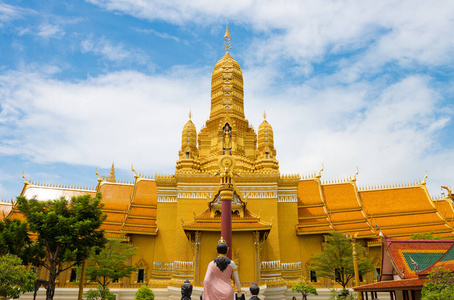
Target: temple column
{"x":226,"y":173}
{"x":226,"y":216}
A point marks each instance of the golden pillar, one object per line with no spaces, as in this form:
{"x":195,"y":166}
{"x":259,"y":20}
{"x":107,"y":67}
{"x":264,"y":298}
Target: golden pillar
{"x":355,"y":264}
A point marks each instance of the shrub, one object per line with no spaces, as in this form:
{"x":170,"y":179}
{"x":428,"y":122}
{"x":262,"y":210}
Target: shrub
{"x":100,"y":294}
{"x":144,"y":293}
{"x":343,"y":294}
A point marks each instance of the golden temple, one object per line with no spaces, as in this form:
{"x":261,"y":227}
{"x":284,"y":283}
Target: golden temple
{"x":278,"y":221}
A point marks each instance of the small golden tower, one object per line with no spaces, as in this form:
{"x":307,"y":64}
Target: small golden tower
{"x":188,"y":154}
{"x":266,"y":154}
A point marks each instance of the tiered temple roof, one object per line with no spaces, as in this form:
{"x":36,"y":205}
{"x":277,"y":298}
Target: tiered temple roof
{"x":398,"y":211}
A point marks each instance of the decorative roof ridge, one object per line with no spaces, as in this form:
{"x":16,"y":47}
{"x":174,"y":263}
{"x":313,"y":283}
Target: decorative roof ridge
{"x":6,"y":202}
{"x":66,"y":186}
{"x":393,"y":240}
{"x":313,"y":175}
{"x":388,"y":186}
{"x":119,"y":182}
{"x":290,"y":176}
{"x":334,"y":181}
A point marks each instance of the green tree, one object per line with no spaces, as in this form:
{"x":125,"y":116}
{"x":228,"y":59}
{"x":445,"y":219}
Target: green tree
{"x":425,"y":236}
{"x":110,"y":263}
{"x":336,"y":260}
{"x":304,"y":288}
{"x":100,"y":293}
{"x":66,"y":230}
{"x":14,"y":240}
{"x":144,"y":293}
{"x":15,"y":278}
{"x":439,"y":285}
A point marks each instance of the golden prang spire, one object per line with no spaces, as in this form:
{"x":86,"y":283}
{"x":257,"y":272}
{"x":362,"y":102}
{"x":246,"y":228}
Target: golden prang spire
{"x":227,"y":39}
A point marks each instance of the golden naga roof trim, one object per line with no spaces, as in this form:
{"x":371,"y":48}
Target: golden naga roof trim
{"x":320,"y":172}
{"x":25,"y":179}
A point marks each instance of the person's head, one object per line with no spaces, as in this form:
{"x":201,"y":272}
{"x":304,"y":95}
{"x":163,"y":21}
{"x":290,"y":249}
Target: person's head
{"x":293,"y":298}
{"x":222,"y":247}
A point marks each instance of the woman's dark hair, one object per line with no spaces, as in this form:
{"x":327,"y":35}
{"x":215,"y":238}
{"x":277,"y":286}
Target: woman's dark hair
{"x":222,"y":248}
{"x":222,"y":262}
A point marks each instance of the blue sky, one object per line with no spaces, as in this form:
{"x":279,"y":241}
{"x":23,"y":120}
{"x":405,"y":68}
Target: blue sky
{"x":345,"y":83}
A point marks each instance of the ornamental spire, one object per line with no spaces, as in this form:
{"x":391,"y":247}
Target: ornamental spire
{"x":227,"y":39}
{"x":111,"y":177}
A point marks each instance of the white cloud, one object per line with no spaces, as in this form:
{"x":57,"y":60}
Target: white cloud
{"x":407,"y":32}
{"x":49,"y":31}
{"x":162,"y":35}
{"x":130,"y":117}
{"x":126,"y":116}
{"x":111,"y":52}
{"x":9,"y":13}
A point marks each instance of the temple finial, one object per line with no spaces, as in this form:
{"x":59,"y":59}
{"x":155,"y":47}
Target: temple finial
{"x":227,"y":39}
{"x":264,"y":115}
{"x":190,"y":115}
{"x":111,"y":177}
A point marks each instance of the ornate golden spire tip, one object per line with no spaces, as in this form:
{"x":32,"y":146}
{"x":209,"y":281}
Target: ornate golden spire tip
{"x":227,"y":39}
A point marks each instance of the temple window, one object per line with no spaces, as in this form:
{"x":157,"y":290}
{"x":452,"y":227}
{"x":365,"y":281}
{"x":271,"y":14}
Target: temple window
{"x":267,"y":155}
{"x":73,"y":276}
{"x":226,"y":81}
{"x":361,"y":279}
{"x":187,"y":154}
{"x":140,"y":275}
{"x":313,"y":276}
{"x":115,"y":280}
{"x":227,"y":94}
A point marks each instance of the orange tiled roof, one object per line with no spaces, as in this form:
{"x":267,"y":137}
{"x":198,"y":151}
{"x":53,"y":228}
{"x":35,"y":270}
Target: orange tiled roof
{"x":341,"y":196}
{"x":309,"y":192}
{"x":446,"y":210}
{"x":146,"y":192}
{"x":392,"y":285}
{"x":445,"y":262}
{"x":395,"y":200}
{"x":312,"y":213}
{"x":403,"y":211}
{"x":115,"y":195}
{"x":424,"y":252}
